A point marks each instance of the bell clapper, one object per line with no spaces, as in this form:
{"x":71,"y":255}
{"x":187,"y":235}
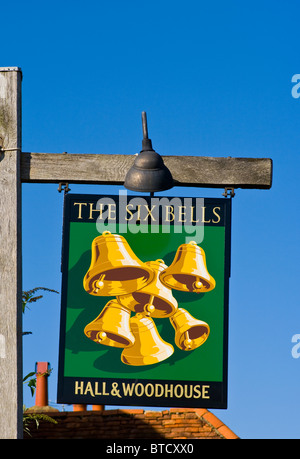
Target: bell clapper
{"x":99,"y":284}
{"x":101,"y":336}
{"x":187,"y":341}
{"x":197,"y":285}
{"x":149,"y":308}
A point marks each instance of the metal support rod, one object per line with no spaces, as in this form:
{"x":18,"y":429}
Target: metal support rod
{"x":145,"y":126}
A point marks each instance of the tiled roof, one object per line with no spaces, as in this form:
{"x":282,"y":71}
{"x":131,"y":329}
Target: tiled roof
{"x":176,"y":423}
{"x":216,"y":424}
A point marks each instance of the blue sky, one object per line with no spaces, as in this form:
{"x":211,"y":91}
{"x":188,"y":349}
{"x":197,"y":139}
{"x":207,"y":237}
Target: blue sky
{"x":215,"y":80}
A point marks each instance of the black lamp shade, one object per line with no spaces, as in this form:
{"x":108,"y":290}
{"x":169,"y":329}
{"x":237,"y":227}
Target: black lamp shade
{"x":148,"y":173}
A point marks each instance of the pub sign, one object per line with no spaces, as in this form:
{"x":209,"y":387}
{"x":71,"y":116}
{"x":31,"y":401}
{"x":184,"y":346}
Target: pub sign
{"x":144,"y":313}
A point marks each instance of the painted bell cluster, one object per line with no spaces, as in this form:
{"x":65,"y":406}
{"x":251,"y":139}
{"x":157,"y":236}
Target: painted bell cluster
{"x":145,"y":289}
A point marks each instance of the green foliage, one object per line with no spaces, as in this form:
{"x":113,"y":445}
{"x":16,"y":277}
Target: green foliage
{"x":36,"y":417}
{"x":28,"y":296}
{"x":30,"y":380}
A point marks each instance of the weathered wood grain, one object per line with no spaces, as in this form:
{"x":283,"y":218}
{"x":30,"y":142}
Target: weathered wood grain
{"x":194,"y":171}
{"x":11,"y":387}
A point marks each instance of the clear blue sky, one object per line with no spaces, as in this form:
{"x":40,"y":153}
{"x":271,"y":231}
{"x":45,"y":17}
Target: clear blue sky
{"x":215,"y":80}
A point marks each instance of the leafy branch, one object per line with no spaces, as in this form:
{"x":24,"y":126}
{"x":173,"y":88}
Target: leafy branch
{"x":36,"y":417}
{"x":30,"y":380}
{"x":28,"y":296}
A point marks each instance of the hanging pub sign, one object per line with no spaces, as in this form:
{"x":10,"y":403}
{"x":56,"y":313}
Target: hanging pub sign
{"x":144,"y":312}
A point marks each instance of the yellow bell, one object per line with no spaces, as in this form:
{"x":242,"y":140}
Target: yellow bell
{"x":190,"y":333}
{"x":155,"y":299}
{"x":111,"y":327}
{"x":188,"y":271}
{"x":115,"y":269}
{"x":149,"y":347}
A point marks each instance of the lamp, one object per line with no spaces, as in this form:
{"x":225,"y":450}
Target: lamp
{"x":148,"y":173}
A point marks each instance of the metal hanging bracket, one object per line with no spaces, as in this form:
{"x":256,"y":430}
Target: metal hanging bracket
{"x":63,"y":187}
{"x":229,"y":191}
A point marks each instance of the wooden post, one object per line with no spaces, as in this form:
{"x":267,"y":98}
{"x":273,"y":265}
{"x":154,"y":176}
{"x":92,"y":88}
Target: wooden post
{"x":11,"y":387}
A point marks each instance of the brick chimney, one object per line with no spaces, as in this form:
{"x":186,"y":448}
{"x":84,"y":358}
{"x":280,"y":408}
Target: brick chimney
{"x":41,"y":392}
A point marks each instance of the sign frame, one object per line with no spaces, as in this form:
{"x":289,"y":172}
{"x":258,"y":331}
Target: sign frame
{"x":147,"y":392}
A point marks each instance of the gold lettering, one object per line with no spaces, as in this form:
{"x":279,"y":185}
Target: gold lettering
{"x":205,"y":392}
{"x":139,"y":389}
{"x":129,"y":211}
{"x":89,"y":389}
{"x":128,"y":389}
{"x":178,"y":391}
{"x":149,"y":212}
{"x":169,"y":390}
{"x":197,"y":390}
{"x":181,"y":210}
{"x":150,"y":392}
{"x":203,"y":216}
{"x":111,"y":211}
{"x":217,"y":215}
{"x":97,"y":392}
{"x":104,"y":389}
{"x":95,"y":210}
{"x":96,"y":389}
{"x":192,"y":215}
{"x":80,"y":204}
{"x":78,"y":388}
{"x":170,"y":212}
{"x":159,"y":390}
{"x":188,"y":391}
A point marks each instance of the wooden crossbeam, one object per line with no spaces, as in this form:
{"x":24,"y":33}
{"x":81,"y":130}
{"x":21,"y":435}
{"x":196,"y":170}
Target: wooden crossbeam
{"x":189,"y":171}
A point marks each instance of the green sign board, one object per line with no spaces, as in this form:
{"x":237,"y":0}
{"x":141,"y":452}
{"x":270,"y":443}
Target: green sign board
{"x":144,"y":314}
